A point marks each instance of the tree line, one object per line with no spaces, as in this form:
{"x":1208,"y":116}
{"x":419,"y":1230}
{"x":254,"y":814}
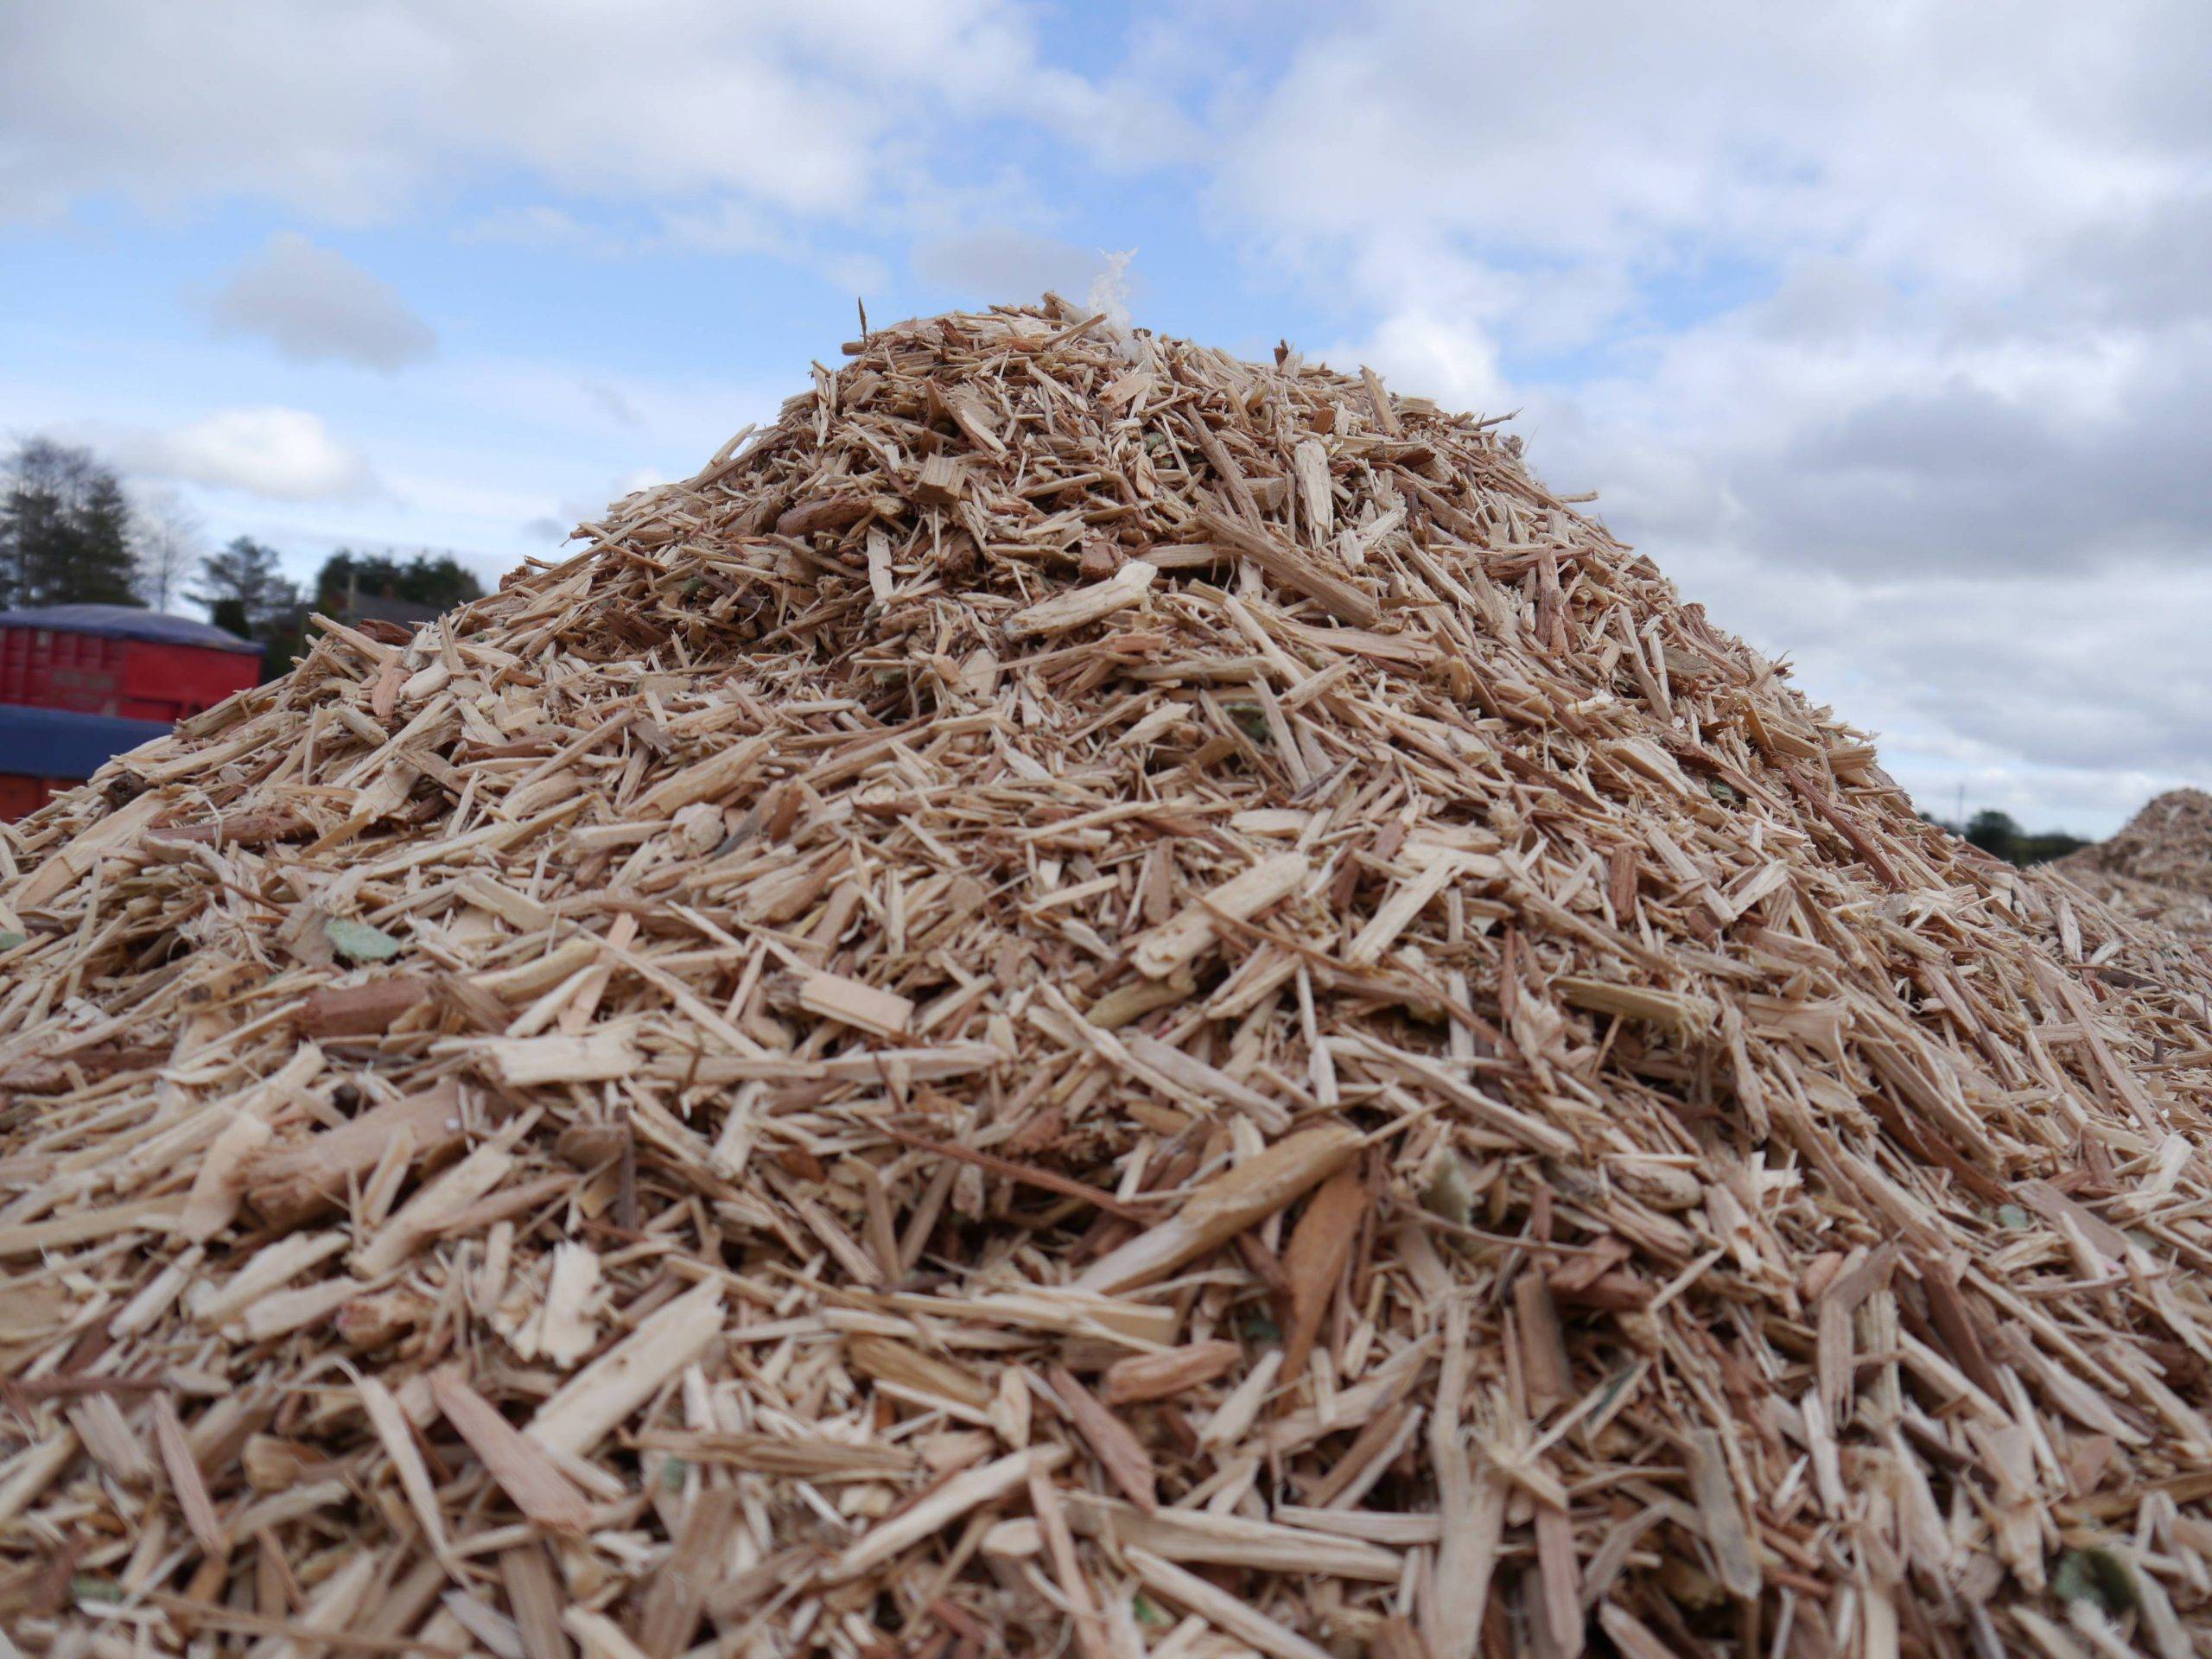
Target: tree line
{"x":70,"y":534}
{"x":1999,"y":836}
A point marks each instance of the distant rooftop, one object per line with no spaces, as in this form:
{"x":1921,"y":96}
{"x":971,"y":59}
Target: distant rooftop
{"x":128,"y":622}
{"x":377,"y":607}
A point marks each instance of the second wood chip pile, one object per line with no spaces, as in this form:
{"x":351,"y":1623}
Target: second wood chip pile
{"x":1089,"y":999}
{"x":2158,"y":868}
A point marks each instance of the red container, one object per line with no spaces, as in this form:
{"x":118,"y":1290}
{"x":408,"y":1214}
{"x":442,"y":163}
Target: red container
{"x":21,"y":795}
{"x":45,"y":751}
{"x":110,"y":659}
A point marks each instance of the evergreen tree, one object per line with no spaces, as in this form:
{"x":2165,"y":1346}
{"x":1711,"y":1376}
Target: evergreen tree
{"x":440,"y":581}
{"x":1995,"y":833}
{"x":65,"y":531}
{"x":246,"y":594}
{"x":106,"y":572}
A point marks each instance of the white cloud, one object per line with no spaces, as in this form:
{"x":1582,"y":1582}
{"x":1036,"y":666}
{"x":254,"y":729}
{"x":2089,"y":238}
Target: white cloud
{"x":285,"y":454}
{"x":857,"y":274}
{"x":1650,"y":138}
{"x":357,"y":112}
{"x":1994,"y":552}
{"x":315,"y":305}
{"x":727,"y":226}
{"x":1883,"y":333}
{"x":1438,"y":357}
{"x":610,"y":402}
{"x":678,"y":418}
{"x":995,"y":263}
{"x":730,"y":226}
{"x":540,"y":224}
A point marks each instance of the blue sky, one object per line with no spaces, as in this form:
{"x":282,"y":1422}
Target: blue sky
{"x":1882,"y":329}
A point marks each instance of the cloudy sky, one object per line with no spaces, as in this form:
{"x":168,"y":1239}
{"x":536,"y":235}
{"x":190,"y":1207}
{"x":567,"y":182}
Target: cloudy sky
{"x":1875,"y":325}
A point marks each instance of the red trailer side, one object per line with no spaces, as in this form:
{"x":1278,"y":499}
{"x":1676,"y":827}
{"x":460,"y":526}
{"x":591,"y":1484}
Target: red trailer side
{"x":21,"y":795}
{"x":110,"y":660}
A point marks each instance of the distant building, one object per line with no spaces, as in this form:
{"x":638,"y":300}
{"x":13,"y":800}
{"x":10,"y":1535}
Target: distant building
{"x":352,"y":606}
{"x":376,"y":607}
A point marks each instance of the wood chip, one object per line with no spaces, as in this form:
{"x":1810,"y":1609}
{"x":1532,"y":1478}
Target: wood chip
{"x":535,"y":1484}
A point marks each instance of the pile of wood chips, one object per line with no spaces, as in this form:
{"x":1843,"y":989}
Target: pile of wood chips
{"x":1088,"y":1000}
{"x":2158,"y":868}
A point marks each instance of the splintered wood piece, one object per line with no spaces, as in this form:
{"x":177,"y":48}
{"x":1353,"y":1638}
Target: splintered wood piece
{"x":527,"y":1062}
{"x":76,"y":858}
{"x":289,"y":1184}
{"x":1631,"y":1635}
{"x":1161,"y":1376}
{"x":1720,"y":1515}
{"x":218,"y":1185}
{"x":590,"y":1405}
{"x":1296,"y":570}
{"x":1080,"y":607}
{"x":535,"y":1484}
{"x":1191,"y":932}
{"x":678,"y":1594}
{"x":432,"y":1209}
{"x":564,"y":1331}
{"x":82,"y":1226}
{"x":535,"y":1598}
{"x":396,"y":1436}
{"x":1396,"y":913}
{"x":600,"y":1636}
{"x":940,"y":481}
{"x":772,"y":1454}
{"x":1221,"y":1609}
{"x":247,"y":829}
{"x":1319,"y":1247}
{"x":968,"y":414}
{"x":1118,"y":1450}
{"x":1238,"y":1199}
{"x":1316,"y":503}
{"x":1688,"y":1016}
{"x":1187,"y":1535}
{"x":362,"y":1010}
{"x":187,"y":1482}
{"x":856,"y":1004}
{"x":1546,"y":1370}
{"x":217,"y":1304}
{"x":1059,"y":1540}
{"x":715,"y":776}
{"x":889,"y":1539}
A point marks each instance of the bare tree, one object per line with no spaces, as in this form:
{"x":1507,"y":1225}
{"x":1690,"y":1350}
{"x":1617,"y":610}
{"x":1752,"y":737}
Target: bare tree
{"x":169,"y":544}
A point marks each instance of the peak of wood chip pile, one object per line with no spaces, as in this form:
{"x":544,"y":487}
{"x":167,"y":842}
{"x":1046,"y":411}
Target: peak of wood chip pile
{"x":1087,"y":1000}
{"x":2158,"y":868}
